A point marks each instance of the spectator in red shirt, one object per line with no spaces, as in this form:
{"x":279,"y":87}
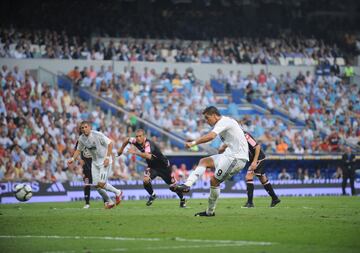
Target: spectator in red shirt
{"x":262,"y":77}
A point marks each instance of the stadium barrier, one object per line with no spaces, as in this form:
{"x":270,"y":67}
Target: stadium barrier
{"x":133,"y":190}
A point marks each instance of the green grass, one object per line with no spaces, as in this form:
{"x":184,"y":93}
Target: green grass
{"x":321,"y":224}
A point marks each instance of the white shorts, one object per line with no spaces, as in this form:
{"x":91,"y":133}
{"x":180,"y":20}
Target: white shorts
{"x":100,"y":172}
{"x":226,"y":167}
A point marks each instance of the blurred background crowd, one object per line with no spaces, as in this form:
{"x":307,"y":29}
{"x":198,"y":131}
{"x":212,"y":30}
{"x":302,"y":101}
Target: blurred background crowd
{"x":39,"y":122}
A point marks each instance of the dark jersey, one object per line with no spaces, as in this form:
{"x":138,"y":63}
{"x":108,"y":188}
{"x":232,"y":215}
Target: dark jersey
{"x":86,"y":157}
{"x":158,"y":160}
{"x":252,"y":145}
{"x":348,"y":161}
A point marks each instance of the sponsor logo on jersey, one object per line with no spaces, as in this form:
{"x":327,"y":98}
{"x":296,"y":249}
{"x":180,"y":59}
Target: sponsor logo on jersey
{"x":86,"y":153}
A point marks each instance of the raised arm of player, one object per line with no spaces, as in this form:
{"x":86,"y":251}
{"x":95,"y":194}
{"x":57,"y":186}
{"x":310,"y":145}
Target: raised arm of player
{"x":203,"y":139}
{"x":123,"y":146}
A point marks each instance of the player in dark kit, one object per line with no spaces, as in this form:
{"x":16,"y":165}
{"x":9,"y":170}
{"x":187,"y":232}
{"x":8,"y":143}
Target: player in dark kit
{"x":86,"y":166}
{"x":348,"y":161}
{"x":158,"y":164}
{"x":256,"y":160}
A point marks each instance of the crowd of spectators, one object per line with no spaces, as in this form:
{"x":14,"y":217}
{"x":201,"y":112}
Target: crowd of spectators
{"x":38,"y":123}
{"x":39,"y":128}
{"x":283,"y":50}
{"x":328,"y":106}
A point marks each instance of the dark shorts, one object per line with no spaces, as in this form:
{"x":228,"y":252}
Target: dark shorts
{"x":87,"y":173}
{"x":260,"y":169}
{"x":164,"y":173}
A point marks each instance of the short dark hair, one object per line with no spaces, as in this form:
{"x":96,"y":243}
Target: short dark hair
{"x":211,"y":110}
{"x":85,"y":122}
{"x":140,"y":130}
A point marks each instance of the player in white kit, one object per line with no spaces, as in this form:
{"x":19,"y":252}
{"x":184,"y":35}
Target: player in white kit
{"x":226,"y":164}
{"x":100,"y":148}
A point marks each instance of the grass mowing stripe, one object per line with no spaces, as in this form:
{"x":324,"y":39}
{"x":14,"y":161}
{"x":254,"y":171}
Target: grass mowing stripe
{"x":219,"y":242}
{"x":80,"y":237}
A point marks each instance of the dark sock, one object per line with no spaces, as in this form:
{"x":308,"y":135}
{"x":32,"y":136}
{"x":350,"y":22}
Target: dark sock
{"x":181,"y":195}
{"x":250,"y":191}
{"x":87,"y":194}
{"x":148,"y":187}
{"x":270,"y":190}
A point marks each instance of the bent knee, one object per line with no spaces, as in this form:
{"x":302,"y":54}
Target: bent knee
{"x":249,"y":176}
{"x":214,"y":182}
{"x":147,"y":180}
{"x":206,"y":162}
{"x":101,"y":184}
{"x":263,"y":179}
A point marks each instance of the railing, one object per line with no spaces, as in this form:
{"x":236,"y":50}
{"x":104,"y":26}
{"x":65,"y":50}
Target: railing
{"x":44,"y":75}
{"x":110,"y":106}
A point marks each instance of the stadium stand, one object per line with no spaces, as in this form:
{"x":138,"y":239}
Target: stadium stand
{"x":308,"y":113}
{"x":273,"y":51}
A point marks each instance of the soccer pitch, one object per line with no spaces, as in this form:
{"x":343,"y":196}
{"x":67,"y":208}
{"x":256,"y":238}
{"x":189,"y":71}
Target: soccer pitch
{"x":297,"y":224}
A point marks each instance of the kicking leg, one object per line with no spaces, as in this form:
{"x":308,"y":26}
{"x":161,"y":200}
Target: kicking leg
{"x":194,"y":175}
{"x":199,"y":170}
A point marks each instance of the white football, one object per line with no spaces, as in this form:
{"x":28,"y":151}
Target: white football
{"x":23,"y":192}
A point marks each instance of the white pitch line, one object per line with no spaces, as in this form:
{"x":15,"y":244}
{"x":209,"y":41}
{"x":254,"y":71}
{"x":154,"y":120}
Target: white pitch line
{"x":81,"y":237}
{"x":222,"y":241}
{"x":87,"y":250}
{"x":199,"y":246}
{"x":305,"y":207}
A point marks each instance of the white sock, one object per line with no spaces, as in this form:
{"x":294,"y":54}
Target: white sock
{"x":111,"y":188}
{"x":195,"y":175}
{"x":103,"y":194}
{"x":214,"y":195}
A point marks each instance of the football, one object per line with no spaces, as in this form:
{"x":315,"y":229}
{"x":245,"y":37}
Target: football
{"x":23,"y":192}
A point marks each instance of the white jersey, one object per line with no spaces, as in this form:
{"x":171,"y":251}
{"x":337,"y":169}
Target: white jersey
{"x":96,"y":144}
{"x":233,"y":136}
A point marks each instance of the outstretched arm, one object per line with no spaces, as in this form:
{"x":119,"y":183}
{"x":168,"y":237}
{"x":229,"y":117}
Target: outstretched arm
{"x":141,"y":154}
{"x":203,"y":139}
{"x":73,"y":158}
{"x":121,"y":149}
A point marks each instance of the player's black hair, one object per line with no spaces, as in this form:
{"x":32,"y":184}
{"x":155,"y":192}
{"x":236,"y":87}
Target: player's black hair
{"x":140,"y":130}
{"x":85,"y":122}
{"x":211,"y":110}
